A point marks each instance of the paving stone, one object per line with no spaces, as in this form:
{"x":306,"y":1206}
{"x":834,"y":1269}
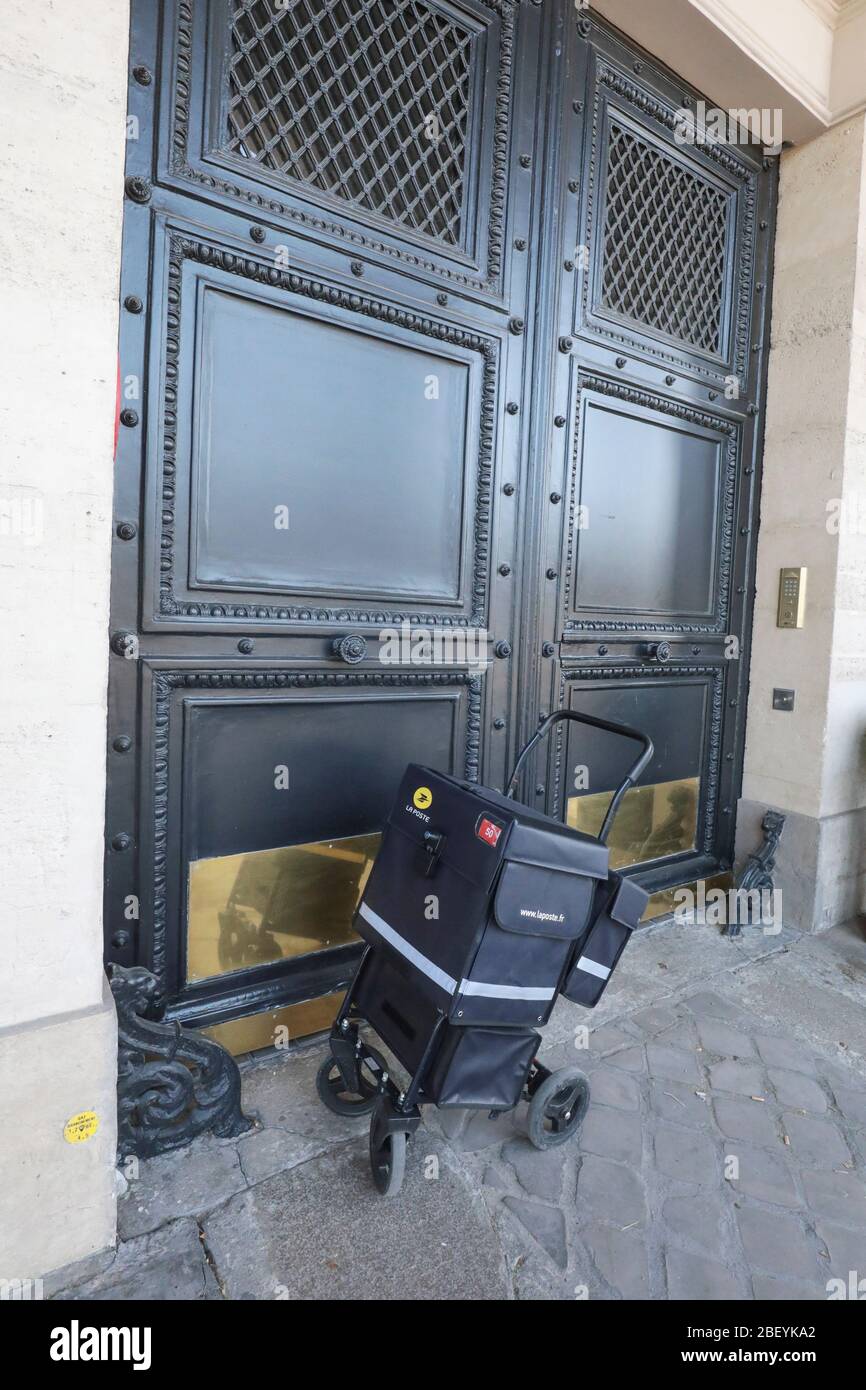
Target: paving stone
{"x":616,"y":1088}
{"x":723,"y":1040}
{"x":707,"y":1005}
{"x":682,"y":1104}
{"x":483,"y":1131}
{"x":631,"y":1059}
{"x":815,"y":1142}
{"x":494,"y":1179}
{"x":269,"y":1151}
{"x":852,"y":1103}
{"x":777,"y":1243}
{"x":749,"y":1120}
{"x":687,"y":1155}
{"x":672,"y":1063}
{"x":608,"y":1036}
{"x":841,"y":1196}
{"x":611,"y":1191}
{"x":321,"y":1231}
{"x":787,"y":1053}
{"x":743,"y":1078}
{"x":539,"y":1171}
{"x":545,"y":1224}
{"x":183,"y":1183}
{"x":696,"y":1277}
{"x":281,"y":1091}
{"x":698,"y":1219}
{"x":846,"y":1248}
{"x":764,"y":1176}
{"x":621,"y":1259}
{"x":612,"y":1134}
{"x":168,"y":1264}
{"x":774,"y":1290}
{"x":655,"y":1019}
{"x":798,"y":1091}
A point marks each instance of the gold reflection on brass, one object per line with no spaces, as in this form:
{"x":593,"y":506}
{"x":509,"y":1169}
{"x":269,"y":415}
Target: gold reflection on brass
{"x":663,"y":903}
{"x":282,"y":1026}
{"x":651,"y":823}
{"x":249,"y":909}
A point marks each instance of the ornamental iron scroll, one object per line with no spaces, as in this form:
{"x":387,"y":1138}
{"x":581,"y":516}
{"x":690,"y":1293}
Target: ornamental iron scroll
{"x":172,"y":1084}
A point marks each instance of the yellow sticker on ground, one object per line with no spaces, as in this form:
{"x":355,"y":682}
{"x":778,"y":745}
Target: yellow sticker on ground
{"x":423,"y":798}
{"x":81,"y":1127}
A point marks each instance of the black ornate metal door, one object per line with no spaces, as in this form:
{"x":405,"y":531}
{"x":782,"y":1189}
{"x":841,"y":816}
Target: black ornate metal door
{"x":325,"y":282}
{"x":407,"y":284}
{"x":650,"y":429}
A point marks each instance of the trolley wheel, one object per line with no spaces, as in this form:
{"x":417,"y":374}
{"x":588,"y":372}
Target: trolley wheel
{"x":557,"y":1109}
{"x":388,"y":1161}
{"x":332,"y":1089}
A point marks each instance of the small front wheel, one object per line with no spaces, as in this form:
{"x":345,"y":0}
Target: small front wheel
{"x":388,"y":1161}
{"x":332,"y":1089}
{"x":557,"y":1109}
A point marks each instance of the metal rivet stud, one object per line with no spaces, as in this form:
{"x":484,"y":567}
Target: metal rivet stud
{"x":504,"y":570}
{"x":568,"y":265}
{"x":502,"y":650}
{"x":512,"y":407}
{"x":122,"y":743}
{"x":712,"y":395}
{"x":257,"y":234}
{"x":499,"y":723}
{"x":620,"y":362}
{"x":137,"y":188}
{"x":520,"y":243}
{"x":603,"y":650}
{"x":573,"y":185}
{"x":669,"y":380}
{"x":142,"y":76}
{"x":548,"y":649}
{"x":133,"y":304}
{"x":245,"y":646}
{"x":577,"y":107}
{"x":525,"y":161}
{"x":559,"y":421}
{"x":539,"y":790}
{"x":516,"y":326}
{"x":555,"y":497}
{"x":120,"y":940}
{"x":121,"y":841}
{"x":126,"y":531}
{"x":508,"y":489}
{"x":566,"y":344}
{"x":129,"y":418}
{"x":763,"y":224}
{"x":551,"y":573}
{"x":357,"y":268}
{"x":442,"y":298}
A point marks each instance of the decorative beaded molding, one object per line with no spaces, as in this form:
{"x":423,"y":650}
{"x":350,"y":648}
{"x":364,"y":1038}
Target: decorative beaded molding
{"x":204,"y":253}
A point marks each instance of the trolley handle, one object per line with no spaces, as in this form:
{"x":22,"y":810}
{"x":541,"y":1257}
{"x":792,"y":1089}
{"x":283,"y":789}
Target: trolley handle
{"x":624,"y":730}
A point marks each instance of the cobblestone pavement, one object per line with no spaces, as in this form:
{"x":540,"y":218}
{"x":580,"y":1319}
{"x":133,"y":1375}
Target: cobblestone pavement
{"x":723,"y":1157}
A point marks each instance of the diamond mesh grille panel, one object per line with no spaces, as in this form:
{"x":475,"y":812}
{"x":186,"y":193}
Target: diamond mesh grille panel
{"x":364,"y":99}
{"x":665,"y":235}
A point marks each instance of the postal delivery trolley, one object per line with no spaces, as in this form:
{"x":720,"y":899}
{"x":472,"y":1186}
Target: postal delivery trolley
{"x":477,"y":914}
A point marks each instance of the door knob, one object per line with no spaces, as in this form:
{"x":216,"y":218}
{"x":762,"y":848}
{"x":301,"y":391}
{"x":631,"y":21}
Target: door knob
{"x":350,"y":649}
{"x":656,"y":651}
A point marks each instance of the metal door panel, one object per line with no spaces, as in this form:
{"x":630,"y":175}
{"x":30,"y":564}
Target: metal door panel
{"x":309,"y":756}
{"x":395,"y":413}
{"x":261,"y":94}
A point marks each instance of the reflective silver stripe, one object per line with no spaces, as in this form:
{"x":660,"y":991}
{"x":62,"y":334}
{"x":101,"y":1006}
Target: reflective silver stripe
{"x":396,"y":940}
{"x":592,"y":967}
{"x":505,"y":991}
